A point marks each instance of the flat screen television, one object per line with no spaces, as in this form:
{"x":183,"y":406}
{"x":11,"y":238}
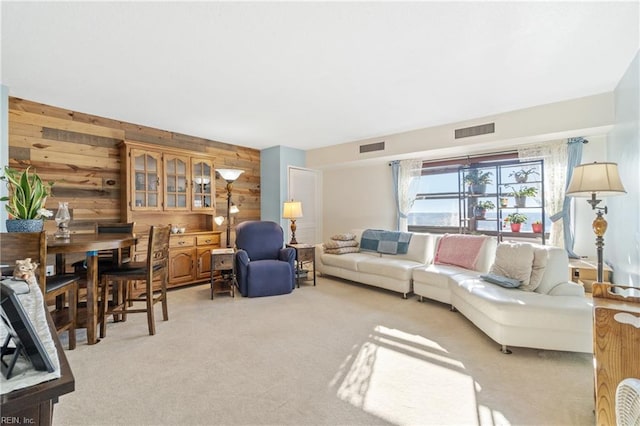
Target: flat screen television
{"x":22,"y":334}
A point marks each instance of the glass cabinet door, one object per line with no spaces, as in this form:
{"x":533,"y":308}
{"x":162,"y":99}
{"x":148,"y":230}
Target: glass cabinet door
{"x":146,"y":180}
{"x":203,"y":184}
{"x":177,"y":183}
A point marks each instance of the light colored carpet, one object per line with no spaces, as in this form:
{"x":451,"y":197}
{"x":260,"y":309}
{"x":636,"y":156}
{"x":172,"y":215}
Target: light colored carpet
{"x":338,"y":353}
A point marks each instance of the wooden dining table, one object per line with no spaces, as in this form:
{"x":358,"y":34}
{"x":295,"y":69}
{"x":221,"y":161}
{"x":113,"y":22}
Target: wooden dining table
{"x":89,"y":244}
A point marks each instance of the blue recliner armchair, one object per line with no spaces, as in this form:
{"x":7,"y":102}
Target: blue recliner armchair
{"x":263,"y":266}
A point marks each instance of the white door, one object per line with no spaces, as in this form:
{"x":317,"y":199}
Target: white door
{"x":305,"y":186}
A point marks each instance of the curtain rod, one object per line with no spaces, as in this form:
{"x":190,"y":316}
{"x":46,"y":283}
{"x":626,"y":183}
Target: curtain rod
{"x":468,"y":157}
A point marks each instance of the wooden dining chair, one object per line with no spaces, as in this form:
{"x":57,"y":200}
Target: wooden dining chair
{"x":154,"y":269}
{"x":61,"y":288}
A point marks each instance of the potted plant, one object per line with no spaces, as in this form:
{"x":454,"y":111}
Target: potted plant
{"x":536,"y":227}
{"x":480,"y":209}
{"x":25,"y":202}
{"x":522,"y":175}
{"x":522,"y":193}
{"x":515,"y":220}
{"x":478,"y":180}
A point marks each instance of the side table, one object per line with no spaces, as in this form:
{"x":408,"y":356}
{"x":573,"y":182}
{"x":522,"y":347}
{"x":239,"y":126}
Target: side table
{"x":305,"y":253}
{"x":584,"y":272}
{"x":223,"y":271}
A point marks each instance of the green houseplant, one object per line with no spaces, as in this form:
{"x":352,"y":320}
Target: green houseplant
{"x":515,"y":220}
{"x":522,"y":193}
{"x":480,"y":209}
{"x":478,"y":180}
{"x":522,"y":175}
{"x":25,"y":202}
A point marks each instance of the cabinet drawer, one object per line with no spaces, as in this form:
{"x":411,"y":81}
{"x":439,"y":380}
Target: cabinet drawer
{"x":182,"y":241}
{"x":208,"y":240}
{"x":222,"y":262}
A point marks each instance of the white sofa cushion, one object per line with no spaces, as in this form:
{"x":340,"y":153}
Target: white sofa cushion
{"x":567,"y":289}
{"x":400,"y":269}
{"x":345,"y":261}
{"x":514,"y":307}
{"x":438,"y":275}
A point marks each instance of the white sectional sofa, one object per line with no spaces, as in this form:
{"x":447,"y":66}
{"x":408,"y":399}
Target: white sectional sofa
{"x":556,"y":315}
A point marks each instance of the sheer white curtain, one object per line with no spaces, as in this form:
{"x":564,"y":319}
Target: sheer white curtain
{"x":555,"y":158}
{"x":406,"y":176}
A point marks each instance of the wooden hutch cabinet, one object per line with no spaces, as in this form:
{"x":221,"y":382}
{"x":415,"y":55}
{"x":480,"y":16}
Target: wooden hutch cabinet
{"x":169,"y":186}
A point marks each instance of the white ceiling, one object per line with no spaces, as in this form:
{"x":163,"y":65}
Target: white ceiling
{"x":306,"y":74}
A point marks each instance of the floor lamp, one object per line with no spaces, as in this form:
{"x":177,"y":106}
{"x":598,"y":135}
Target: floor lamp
{"x":230,"y":175}
{"x":292,"y":210}
{"x":591,"y":180}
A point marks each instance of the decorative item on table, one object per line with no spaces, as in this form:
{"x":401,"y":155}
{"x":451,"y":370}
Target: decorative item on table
{"x":515,"y":220}
{"x":26,"y":200}
{"x":230,"y":175}
{"x":477,"y":180}
{"x":178,"y":229}
{"x":520,"y":194}
{"x":62,"y":220}
{"x":480,"y":209}
{"x":25,"y":269}
{"x":292,"y":210}
{"x":522,"y":175}
{"x":589,"y":180}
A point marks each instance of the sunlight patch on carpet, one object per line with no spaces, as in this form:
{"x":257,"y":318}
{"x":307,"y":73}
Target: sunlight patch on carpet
{"x":408,"y":379}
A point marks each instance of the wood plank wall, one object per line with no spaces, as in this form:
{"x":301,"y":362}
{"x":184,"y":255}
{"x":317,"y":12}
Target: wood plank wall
{"x":79,"y":152}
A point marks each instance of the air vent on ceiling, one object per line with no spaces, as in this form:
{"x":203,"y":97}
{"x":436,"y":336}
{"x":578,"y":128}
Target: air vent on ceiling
{"x":378,"y":146}
{"x":482,"y":129}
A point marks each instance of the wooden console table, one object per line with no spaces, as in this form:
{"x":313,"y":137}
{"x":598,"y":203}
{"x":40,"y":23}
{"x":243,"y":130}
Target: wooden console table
{"x":34,"y":405}
{"x":616,"y":342}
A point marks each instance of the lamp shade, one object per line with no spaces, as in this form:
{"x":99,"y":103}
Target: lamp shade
{"x":292,"y":210}
{"x":600,"y":178}
{"x":234,"y":209}
{"x":229,"y":174}
{"x":219,"y":220}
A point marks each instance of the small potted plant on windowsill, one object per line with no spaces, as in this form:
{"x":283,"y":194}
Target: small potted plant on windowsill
{"x":480,"y":209}
{"x":520,"y":195}
{"x":478,"y":180}
{"x":536,"y":227}
{"x":25,"y":202}
{"x":515,"y":220}
{"x":522,"y":175}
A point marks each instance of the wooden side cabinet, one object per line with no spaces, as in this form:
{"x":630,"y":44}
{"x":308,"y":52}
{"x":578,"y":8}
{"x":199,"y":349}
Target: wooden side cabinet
{"x":190,"y":257}
{"x":616,"y":344}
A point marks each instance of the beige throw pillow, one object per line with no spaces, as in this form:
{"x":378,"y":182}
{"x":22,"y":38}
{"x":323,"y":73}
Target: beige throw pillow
{"x":540,"y":256}
{"x":342,"y":250}
{"x":514,"y":260}
{"x":344,"y":237}
{"x":334,"y":244}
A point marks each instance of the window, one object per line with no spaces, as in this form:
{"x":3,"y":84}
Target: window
{"x":447,"y":202}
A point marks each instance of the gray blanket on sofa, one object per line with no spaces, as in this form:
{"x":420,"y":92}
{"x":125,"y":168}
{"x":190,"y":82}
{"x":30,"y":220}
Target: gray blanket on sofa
{"x":387,"y":242}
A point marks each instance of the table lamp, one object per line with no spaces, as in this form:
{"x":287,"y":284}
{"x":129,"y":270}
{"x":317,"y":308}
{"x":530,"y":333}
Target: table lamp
{"x":230,"y":175}
{"x":590,"y":180}
{"x":292,"y":210}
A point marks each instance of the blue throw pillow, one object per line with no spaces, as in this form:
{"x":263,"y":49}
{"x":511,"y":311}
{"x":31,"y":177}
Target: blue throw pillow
{"x":501,"y":281}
